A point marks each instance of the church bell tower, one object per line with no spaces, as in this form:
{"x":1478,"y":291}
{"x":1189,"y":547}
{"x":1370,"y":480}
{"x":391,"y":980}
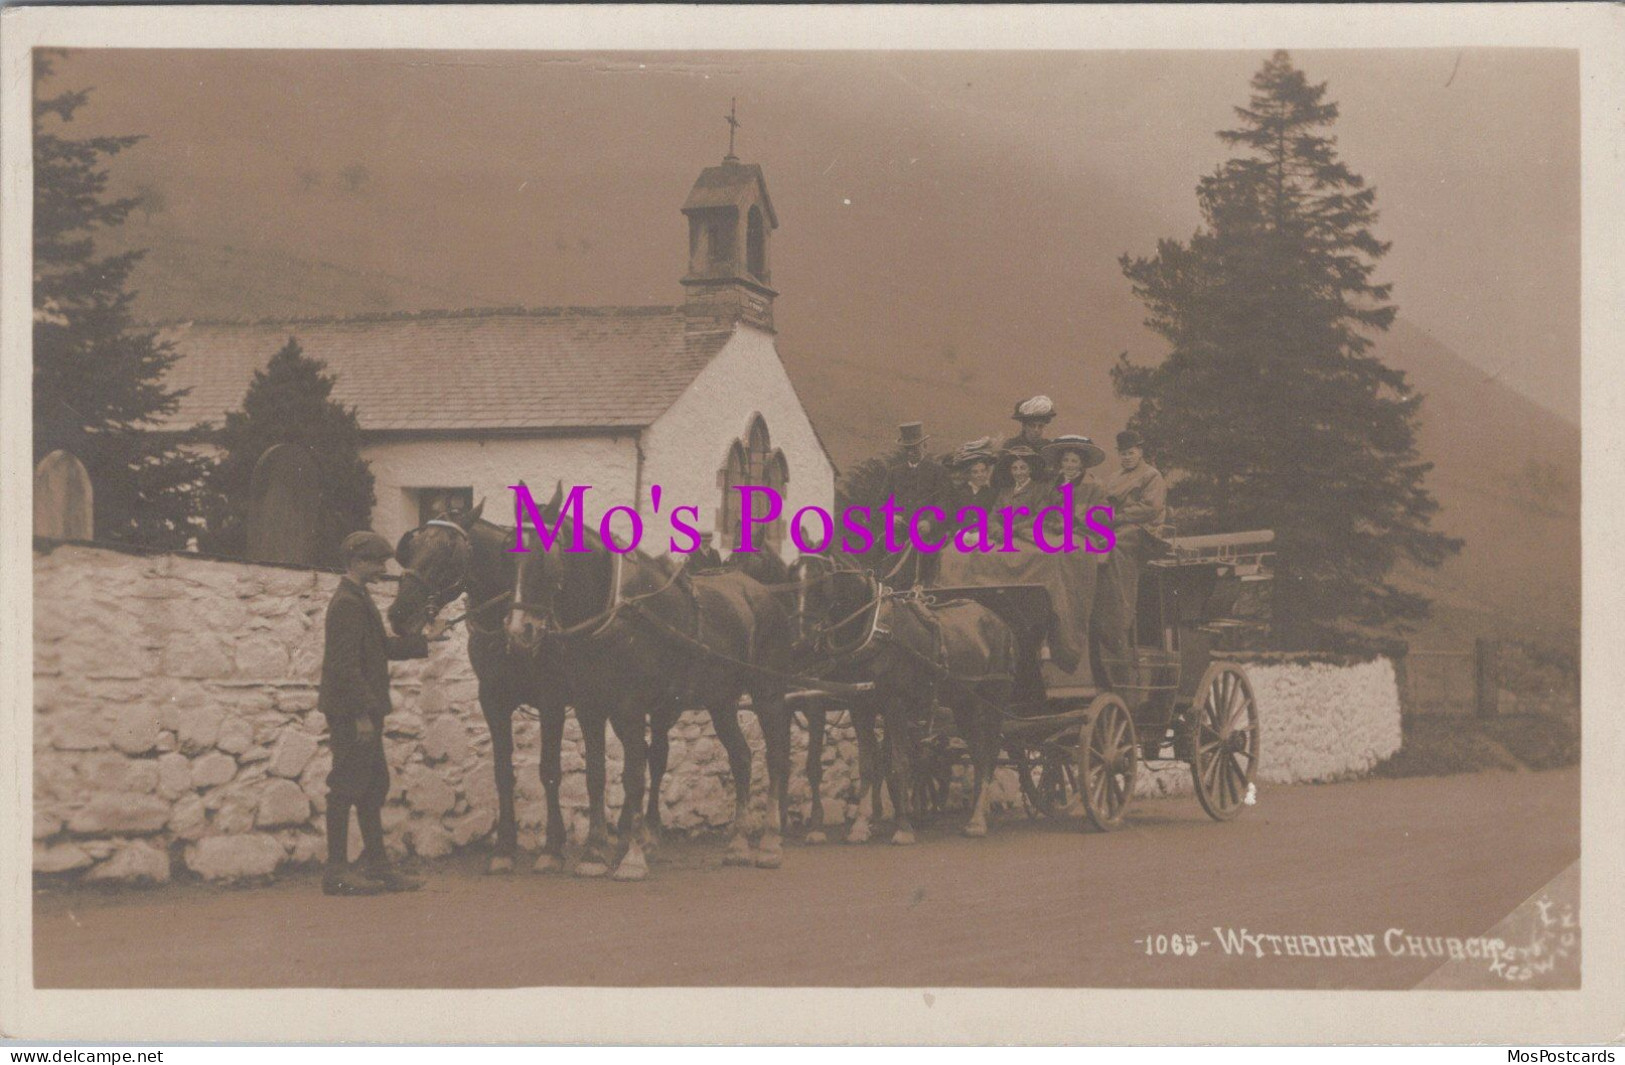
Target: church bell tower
{"x":730,"y":227}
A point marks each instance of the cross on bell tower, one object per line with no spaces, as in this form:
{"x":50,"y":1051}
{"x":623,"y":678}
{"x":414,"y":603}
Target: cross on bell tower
{"x":730,"y":223}
{"x":732,"y":118}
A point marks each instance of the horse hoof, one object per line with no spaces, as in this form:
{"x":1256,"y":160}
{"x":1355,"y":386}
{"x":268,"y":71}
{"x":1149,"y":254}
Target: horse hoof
{"x":976,"y":831}
{"x":903,"y":839}
{"x":739,"y":855}
{"x":812,"y":839}
{"x":591,"y":870}
{"x":548,"y":863}
{"x":500,"y":864}
{"x":858,"y":834}
{"x":628,"y":872}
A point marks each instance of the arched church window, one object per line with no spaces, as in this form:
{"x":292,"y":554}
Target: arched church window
{"x":752,"y":461}
{"x":735,"y":471}
{"x":759,"y":448}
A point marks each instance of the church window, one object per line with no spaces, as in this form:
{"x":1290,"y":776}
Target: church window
{"x":752,"y":461}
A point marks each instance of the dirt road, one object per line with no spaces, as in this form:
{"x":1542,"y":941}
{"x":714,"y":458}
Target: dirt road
{"x":1032,"y":905}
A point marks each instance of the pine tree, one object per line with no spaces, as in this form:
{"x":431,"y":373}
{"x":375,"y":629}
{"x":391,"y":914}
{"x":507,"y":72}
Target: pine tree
{"x":98,"y":380}
{"x":290,"y":402}
{"x":1269,"y":410}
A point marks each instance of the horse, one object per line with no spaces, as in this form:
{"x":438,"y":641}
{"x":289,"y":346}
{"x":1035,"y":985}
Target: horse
{"x":442,"y":560}
{"x":636,"y":635}
{"x":916,"y":653}
{"x":768,"y":569}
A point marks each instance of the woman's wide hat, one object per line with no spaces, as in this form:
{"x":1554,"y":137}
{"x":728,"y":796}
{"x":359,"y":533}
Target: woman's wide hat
{"x":973,"y":451}
{"x":1091,"y":453}
{"x":1036,"y":409}
{"x":1021,"y":451}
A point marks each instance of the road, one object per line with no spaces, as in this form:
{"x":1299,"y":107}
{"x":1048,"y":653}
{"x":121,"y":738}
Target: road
{"x":1034,"y":904}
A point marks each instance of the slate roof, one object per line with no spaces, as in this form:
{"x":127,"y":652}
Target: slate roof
{"x":537,"y":369}
{"x":730,"y":185}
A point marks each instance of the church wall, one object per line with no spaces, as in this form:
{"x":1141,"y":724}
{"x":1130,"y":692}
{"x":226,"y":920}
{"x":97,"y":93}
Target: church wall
{"x":688,"y":445}
{"x":178,"y":733}
{"x":607,"y":464}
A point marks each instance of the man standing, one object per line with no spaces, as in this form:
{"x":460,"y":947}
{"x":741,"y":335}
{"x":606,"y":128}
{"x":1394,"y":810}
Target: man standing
{"x":354,"y":697}
{"x":1139,"y":501}
{"x":914,"y":481}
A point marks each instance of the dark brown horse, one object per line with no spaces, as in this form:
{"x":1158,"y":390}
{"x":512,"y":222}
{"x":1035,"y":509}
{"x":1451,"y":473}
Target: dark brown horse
{"x":636,"y":636}
{"x":468,"y":556}
{"x":917,"y":653}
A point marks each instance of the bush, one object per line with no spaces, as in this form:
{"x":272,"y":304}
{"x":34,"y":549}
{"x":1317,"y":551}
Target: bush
{"x":1444,"y":744}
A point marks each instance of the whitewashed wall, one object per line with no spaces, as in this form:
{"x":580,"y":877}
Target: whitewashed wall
{"x":175,"y":729}
{"x":609,"y":464}
{"x":686,"y":447}
{"x":1320,"y":721}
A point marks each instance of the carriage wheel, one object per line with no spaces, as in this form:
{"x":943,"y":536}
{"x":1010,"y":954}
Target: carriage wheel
{"x":1224,"y":740}
{"x":1108,"y":762}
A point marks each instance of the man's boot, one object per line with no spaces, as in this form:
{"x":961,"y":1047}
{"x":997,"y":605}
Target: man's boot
{"x":374,"y":856}
{"x":337,"y":879}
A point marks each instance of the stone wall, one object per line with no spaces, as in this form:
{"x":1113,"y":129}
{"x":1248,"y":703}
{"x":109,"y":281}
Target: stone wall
{"x":175,"y":729}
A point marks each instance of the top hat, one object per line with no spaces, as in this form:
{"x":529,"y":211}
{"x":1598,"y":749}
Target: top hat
{"x":1091,"y":453}
{"x":1129,"y":438}
{"x":1036,"y":409}
{"x":911,"y":434}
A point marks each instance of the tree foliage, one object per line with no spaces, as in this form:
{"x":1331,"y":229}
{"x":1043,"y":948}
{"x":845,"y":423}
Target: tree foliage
{"x":99,"y":388}
{"x":290,"y":402}
{"x":1270,"y":410}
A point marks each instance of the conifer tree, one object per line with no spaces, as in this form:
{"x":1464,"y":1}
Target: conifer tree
{"x":1269,"y":409}
{"x":99,"y":388}
{"x":290,"y":402}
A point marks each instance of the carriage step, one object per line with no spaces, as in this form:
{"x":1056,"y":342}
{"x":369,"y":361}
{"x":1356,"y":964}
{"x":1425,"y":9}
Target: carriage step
{"x":1082,"y":693}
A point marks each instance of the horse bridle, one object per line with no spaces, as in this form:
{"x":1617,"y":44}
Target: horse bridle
{"x":439,"y":597}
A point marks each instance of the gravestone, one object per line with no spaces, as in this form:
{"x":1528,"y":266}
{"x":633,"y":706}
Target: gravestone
{"x":284,"y":497}
{"x":64,"y":503}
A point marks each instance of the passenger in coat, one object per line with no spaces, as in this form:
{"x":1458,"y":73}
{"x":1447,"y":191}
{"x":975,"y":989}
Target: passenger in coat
{"x":915,"y":481}
{"x":354,"y":697}
{"x":973,"y":463}
{"x":1101,"y":598}
{"x":1139,"y":499}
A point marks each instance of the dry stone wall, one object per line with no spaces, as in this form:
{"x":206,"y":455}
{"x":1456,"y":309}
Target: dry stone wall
{"x":175,"y":729}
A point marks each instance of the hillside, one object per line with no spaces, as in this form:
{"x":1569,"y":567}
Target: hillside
{"x":180,"y":278}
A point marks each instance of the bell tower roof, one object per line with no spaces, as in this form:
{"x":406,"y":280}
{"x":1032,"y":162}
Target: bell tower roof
{"x":733,"y":185}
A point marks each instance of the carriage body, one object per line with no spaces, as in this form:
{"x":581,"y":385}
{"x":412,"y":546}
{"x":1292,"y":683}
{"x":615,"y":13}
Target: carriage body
{"x":1173,"y":698}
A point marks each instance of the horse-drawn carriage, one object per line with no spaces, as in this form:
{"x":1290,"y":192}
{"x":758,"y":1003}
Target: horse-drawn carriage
{"x":631,"y":641}
{"x":1172,"y":698}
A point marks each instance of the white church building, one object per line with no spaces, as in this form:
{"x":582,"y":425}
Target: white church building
{"x":693,"y":398}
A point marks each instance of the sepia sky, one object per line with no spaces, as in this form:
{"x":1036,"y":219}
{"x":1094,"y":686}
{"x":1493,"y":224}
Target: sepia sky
{"x":933,"y":206}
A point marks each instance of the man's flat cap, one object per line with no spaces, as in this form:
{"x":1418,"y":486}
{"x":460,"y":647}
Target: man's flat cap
{"x":367,"y":544}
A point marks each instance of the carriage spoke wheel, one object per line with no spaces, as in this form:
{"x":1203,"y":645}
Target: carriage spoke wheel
{"x":1224,"y":740}
{"x":1108,"y":762}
